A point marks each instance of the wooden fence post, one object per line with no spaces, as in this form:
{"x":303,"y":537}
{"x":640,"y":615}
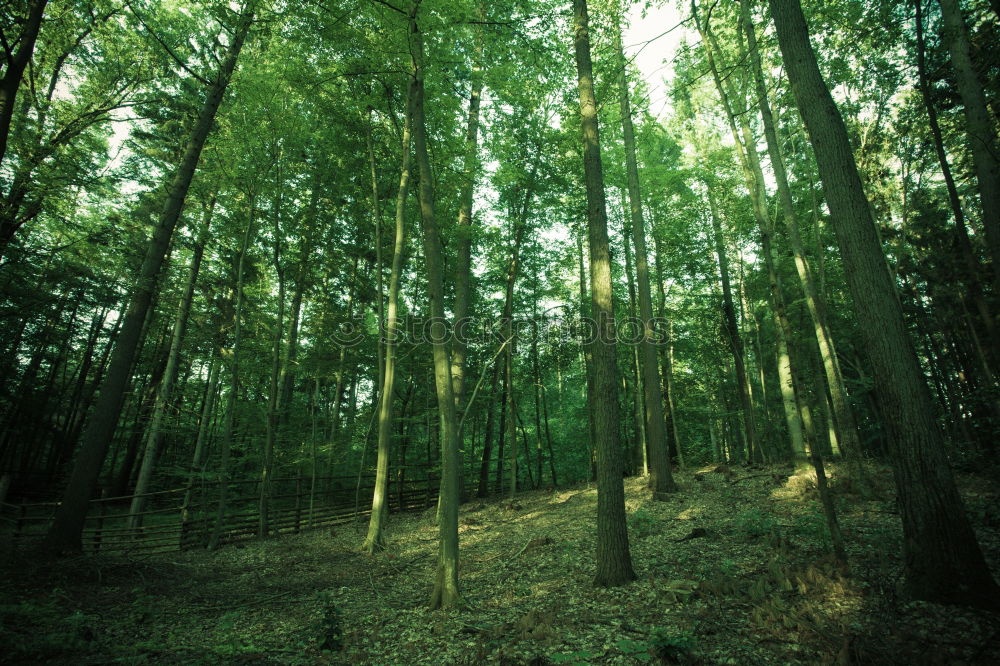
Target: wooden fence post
{"x":100,"y":521}
{"x":298,"y":502}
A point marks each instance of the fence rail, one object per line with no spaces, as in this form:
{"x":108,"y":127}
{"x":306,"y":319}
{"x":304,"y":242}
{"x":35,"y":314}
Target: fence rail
{"x":185,"y":518}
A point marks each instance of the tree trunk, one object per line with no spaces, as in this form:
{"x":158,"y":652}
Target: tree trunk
{"x":661,"y":480}
{"x":843,"y":415}
{"x":234,"y":385}
{"x":446,"y":589}
{"x":746,"y":148}
{"x":154,"y":433}
{"x":614,"y":562}
{"x":943,"y":561}
{"x":463,"y":229}
{"x":375,"y":541}
{"x":67,"y":527}
{"x":732,"y":330}
{"x":979,"y":126}
{"x":484,"y":468}
{"x":14,"y":71}
{"x":973,"y":269}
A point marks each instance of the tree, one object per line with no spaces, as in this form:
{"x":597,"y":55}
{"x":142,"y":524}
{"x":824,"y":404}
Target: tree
{"x":661,"y":480}
{"x":17,"y":54}
{"x":66,"y":529}
{"x":375,"y":540}
{"x":942,"y":558}
{"x":614,"y":563}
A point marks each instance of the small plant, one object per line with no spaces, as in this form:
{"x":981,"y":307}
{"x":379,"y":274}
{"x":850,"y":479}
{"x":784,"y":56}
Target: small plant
{"x":670,"y":646}
{"x":636,"y":649}
{"x":331,"y":628}
{"x":755,"y":523}
{"x":575,"y":658}
{"x":814,"y":527}
{"x":641,"y":523}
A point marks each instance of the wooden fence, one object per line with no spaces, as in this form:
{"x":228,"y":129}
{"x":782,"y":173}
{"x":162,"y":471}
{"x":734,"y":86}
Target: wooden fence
{"x":184,"y":518}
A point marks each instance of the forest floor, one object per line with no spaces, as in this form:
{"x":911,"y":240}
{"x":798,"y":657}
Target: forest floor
{"x":731,"y":570}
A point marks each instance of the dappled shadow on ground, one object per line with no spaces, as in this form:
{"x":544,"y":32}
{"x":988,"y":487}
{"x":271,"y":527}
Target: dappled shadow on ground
{"x":732,"y":570}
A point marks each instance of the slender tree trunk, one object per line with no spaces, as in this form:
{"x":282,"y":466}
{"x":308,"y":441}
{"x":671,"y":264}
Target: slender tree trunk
{"x":375,"y":541}
{"x":843,"y":414}
{"x":274,"y":383}
{"x":639,"y":450}
{"x":154,"y":433}
{"x":463,"y":229}
{"x":614,"y":562}
{"x":732,"y":330}
{"x":746,"y":148}
{"x":199,"y":456}
{"x":943,"y":561}
{"x":660,"y":478}
{"x":446,"y":588}
{"x":484,"y":468}
{"x":588,"y":361}
{"x":234,"y":385}
{"x":67,"y":527}
{"x":14,"y":72}
{"x":979,"y":126}
{"x":973,"y":269}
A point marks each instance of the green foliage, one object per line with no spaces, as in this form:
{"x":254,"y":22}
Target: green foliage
{"x":672,"y":646}
{"x":666,"y":645}
{"x":329,"y":629}
{"x":813,"y":526}
{"x":575,"y":658}
{"x":642,"y":523}
{"x":755,"y":523}
{"x":42,"y":627}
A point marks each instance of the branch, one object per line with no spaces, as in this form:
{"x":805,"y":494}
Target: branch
{"x":170,"y":51}
{"x":392,"y":7}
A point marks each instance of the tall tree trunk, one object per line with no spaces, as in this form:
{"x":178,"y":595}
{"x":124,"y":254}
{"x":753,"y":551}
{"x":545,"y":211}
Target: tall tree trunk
{"x":154,"y":433}
{"x":732,"y":331}
{"x":943,"y":561}
{"x":639,"y":451}
{"x":484,"y":468}
{"x":585,"y":356}
{"x":67,"y":527}
{"x":973,"y":269}
{"x":843,"y":415}
{"x":661,"y":480}
{"x":14,"y":71}
{"x":746,"y":148}
{"x":375,"y":541}
{"x":199,"y":456}
{"x":446,"y":589}
{"x":463,"y":229}
{"x":274,"y":385}
{"x":979,"y":126}
{"x":614,"y":562}
{"x":234,"y":384}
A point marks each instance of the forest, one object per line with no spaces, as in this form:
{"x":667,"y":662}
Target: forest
{"x":499,"y":332}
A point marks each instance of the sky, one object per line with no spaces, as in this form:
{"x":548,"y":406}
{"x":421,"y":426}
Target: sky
{"x":651,"y":49}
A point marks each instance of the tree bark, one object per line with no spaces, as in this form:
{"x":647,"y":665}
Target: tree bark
{"x":943,"y":561}
{"x":446,"y":588}
{"x":67,"y":527}
{"x":154,"y":434}
{"x":732,"y":331}
{"x":614,"y":562}
{"x":661,"y":480}
{"x":375,"y":541}
{"x":14,"y":72}
{"x":979,"y":126}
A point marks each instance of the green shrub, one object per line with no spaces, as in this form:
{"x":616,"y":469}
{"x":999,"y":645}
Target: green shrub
{"x":641,"y":523}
